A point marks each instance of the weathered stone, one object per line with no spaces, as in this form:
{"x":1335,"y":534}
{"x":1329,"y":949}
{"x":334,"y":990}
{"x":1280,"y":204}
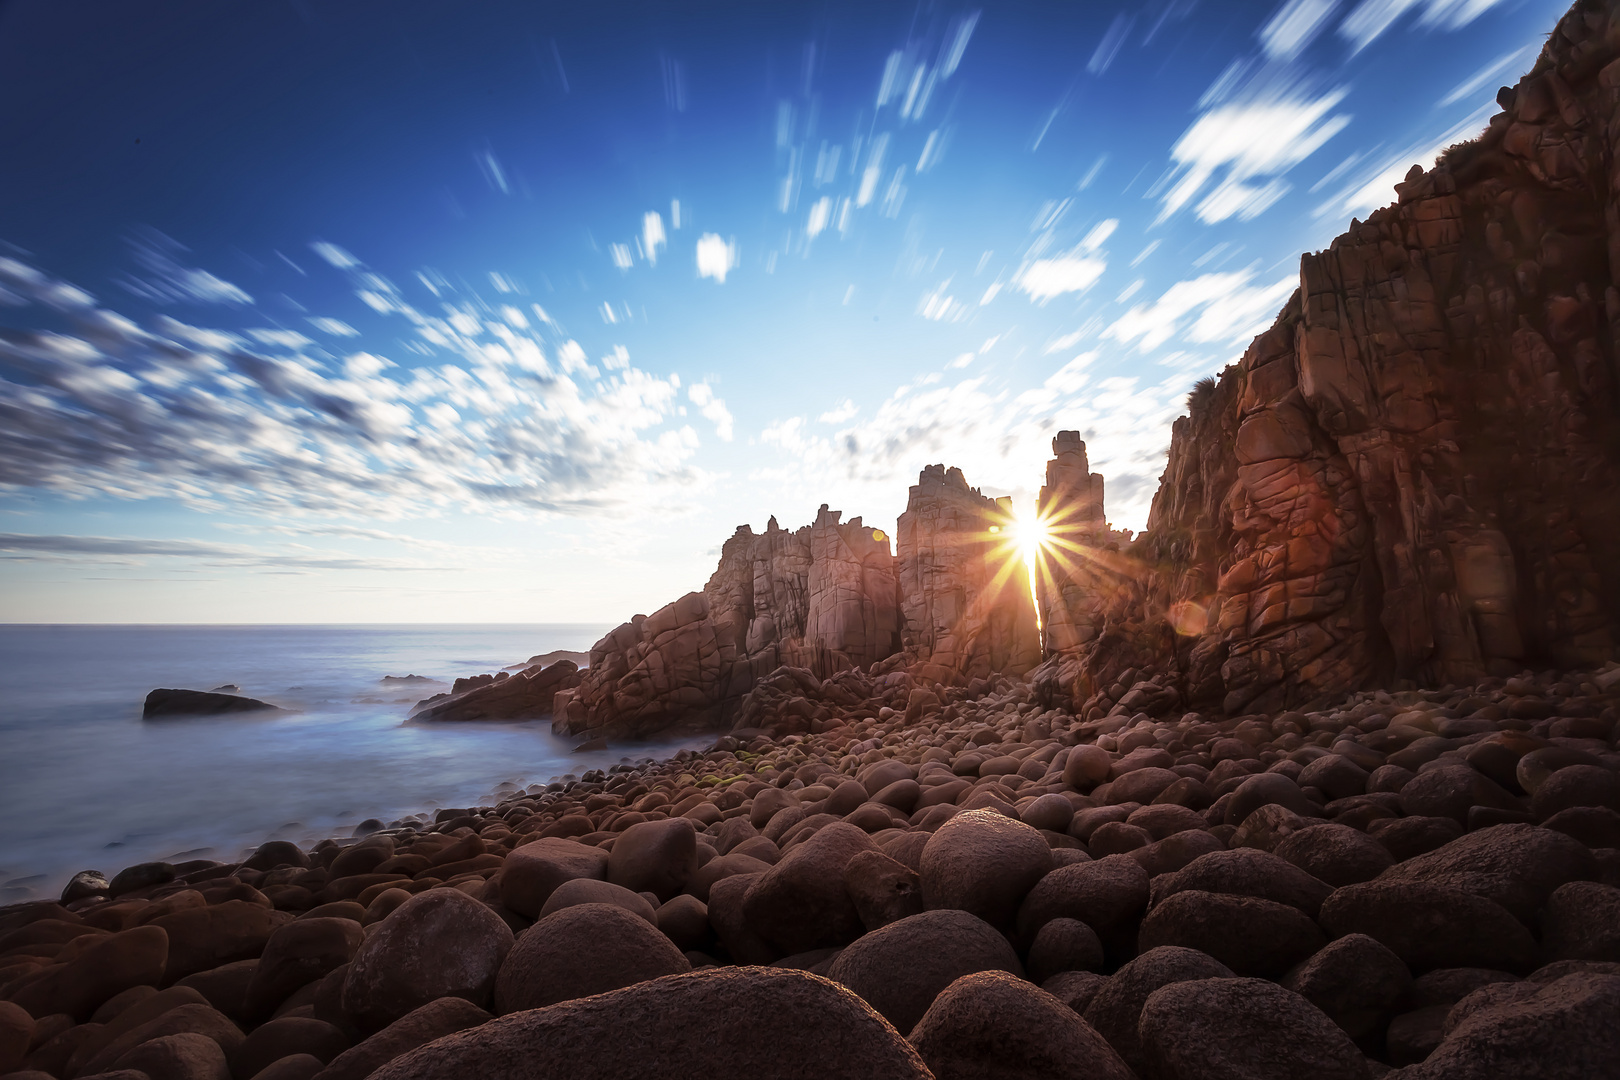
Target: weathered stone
{"x":984,"y":863}
{"x":1249,"y":935}
{"x":1116,"y":1008}
{"x":1354,"y":980}
{"x":580,"y":951}
{"x":1431,"y":926}
{"x":1237,"y":1029}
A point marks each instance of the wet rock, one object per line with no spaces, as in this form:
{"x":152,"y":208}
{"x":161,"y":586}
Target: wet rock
{"x":1236,"y":1029}
{"x":983,"y":863}
{"x":900,"y":968}
{"x":817,"y":1031}
{"x":580,"y":951}
{"x":165,"y":704}
{"x":439,"y":943}
{"x":993,"y":1024}
{"x":1249,"y":935}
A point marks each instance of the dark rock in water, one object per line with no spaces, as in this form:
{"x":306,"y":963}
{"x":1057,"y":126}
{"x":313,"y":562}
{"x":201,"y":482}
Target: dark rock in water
{"x":593,"y":744}
{"x":228,"y":688}
{"x":161,"y":704}
{"x":408,"y":680}
{"x":140,"y":876}
{"x":86,"y":883}
{"x":525,"y":696}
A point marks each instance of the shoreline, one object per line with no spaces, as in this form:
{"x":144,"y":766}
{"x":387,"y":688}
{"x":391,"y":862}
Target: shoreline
{"x":1288,"y":850}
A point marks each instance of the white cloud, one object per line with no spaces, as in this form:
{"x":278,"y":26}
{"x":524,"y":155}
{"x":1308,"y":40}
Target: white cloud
{"x":334,"y":255}
{"x":652,"y":234}
{"x":1043,"y":279}
{"x":713,"y":408}
{"x":1067,"y":341}
{"x":715,"y":257}
{"x":837,"y":415}
{"x":1229,"y":310}
{"x":1295,"y":26}
{"x":1113,"y":40}
{"x":621,"y":255}
{"x":1371,"y":18}
{"x":961,"y":361}
{"x":819,"y":213}
{"x":940,"y":306}
{"x":1253,"y":142}
{"x":1098,"y":235}
{"x":874,"y":169}
{"x":335,"y":327}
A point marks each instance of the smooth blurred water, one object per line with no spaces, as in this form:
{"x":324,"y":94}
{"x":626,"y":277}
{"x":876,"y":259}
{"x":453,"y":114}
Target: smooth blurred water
{"x":86,"y":784}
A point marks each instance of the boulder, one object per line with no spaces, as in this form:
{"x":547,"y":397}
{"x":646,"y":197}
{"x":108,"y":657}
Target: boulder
{"x":1247,"y":872}
{"x":1075,"y":988}
{"x":816,"y":1030}
{"x":659,"y":857}
{"x":533,"y":871}
{"x":580,"y":951}
{"x":297,"y":954}
{"x":1354,"y":980}
{"x":1268,"y":789}
{"x":1335,"y":854}
{"x":286,"y":1035}
{"x":107,"y":966}
{"x":434,"y":1020}
{"x":1408,"y":837}
{"x":1116,"y":1008}
{"x":16,"y":1035}
{"x":591,"y":891}
{"x":1431,"y":926}
{"x":185,"y":1056}
{"x":166,"y":704}
{"x":1108,"y":895}
{"x":1577,"y":785}
{"x":883,"y":889}
{"x":992,"y":1024}
{"x":1582,"y":922}
{"x":1249,"y":935}
{"x":1241,"y":1029}
{"x":801,"y":903}
{"x":1564,"y":1029}
{"x":1450,"y":790}
{"x":204,"y":938}
{"x":439,"y":943}
{"x":1064,"y":945}
{"x":900,"y":968}
{"x":983,"y":863}
{"x":1516,"y":866}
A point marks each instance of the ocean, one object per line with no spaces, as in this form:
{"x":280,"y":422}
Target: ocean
{"x":86,"y":784}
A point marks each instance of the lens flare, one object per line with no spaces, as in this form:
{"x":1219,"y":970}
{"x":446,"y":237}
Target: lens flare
{"x":1030,"y":533}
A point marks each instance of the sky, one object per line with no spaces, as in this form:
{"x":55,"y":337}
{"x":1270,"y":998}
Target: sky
{"x":362,"y":311}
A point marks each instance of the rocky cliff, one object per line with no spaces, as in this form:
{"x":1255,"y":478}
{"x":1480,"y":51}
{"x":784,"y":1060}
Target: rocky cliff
{"x":1411,"y":477}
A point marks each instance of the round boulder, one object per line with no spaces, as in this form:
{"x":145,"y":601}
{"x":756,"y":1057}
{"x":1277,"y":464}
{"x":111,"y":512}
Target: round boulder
{"x":1566,"y":1028}
{"x":659,"y":857}
{"x":801,"y":904}
{"x":1239,"y":1029}
{"x":1577,"y":785}
{"x":1249,"y":935}
{"x":1335,"y":854}
{"x":983,"y":863}
{"x":784,"y":1024}
{"x":900,"y":968}
{"x":580,"y":951}
{"x":531,"y":873}
{"x":439,"y":943}
{"x":1354,"y":980}
{"x":1247,"y":872}
{"x":1115,"y":1008}
{"x":1431,"y":926}
{"x":997,"y":1025}
{"x":1064,"y":945}
{"x":591,"y":891}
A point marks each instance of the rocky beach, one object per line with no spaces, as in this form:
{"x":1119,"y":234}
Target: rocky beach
{"x":1317,"y":776}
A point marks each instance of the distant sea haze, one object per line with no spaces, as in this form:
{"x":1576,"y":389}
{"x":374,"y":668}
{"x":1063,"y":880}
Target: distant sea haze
{"x":85,"y":783}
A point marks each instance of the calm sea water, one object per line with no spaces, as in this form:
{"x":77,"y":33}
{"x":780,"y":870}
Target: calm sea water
{"x":86,"y":784}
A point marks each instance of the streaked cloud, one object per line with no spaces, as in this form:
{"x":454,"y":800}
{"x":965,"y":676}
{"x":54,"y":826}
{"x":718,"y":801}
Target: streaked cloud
{"x":335,"y":327}
{"x":1372,"y":18}
{"x":1244,"y":147}
{"x":1225,"y":309}
{"x":129,"y":550}
{"x":713,"y":408}
{"x":1295,"y":26}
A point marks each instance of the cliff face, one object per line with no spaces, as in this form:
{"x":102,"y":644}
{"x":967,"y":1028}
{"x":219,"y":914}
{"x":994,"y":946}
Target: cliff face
{"x":1412,"y":475}
{"x":964,"y":588}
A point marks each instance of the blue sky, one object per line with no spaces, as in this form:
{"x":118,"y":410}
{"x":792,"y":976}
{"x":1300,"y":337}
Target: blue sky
{"x":503,"y":312}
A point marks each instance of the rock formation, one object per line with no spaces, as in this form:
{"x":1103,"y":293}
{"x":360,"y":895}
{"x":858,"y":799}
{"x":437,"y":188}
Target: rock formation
{"x":163,"y":704}
{"x":964,"y":588}
{"x":1412,"y":476}
{"x":526,"y":695}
